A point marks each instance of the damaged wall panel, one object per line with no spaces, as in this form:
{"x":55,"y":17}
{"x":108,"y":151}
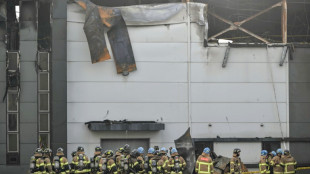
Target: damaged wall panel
{"x":99,"y":19}
{"x":44,"y":26}
{"x":28,"y":49}
{"x":267,"y":25}
{"x":116,"y":3}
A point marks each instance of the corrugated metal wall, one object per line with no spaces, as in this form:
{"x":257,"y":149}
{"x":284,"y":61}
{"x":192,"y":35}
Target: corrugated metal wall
{"x":251,"y":90}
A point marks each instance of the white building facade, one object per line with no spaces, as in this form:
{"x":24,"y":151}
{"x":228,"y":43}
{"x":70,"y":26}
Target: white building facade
{"x":181,"y":84}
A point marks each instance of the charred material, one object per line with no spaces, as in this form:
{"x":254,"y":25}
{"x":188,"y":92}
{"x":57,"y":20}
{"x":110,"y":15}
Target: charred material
{"x":12,"y":27}
{"x":100,"y":19}
{"x":44,"y":26}
{"x":222,"y":164}
{"x":267,"y":25}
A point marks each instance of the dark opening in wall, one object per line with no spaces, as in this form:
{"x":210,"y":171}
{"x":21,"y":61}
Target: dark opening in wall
{"x":271,"y":145}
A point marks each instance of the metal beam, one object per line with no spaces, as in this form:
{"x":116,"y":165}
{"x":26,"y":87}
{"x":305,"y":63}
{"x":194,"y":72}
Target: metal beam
{"x":237,"y":25}
{"x":226,"y":56}
{"x":258,"y":14}
{"x":284,"y":21}
{"x":283,"y":55}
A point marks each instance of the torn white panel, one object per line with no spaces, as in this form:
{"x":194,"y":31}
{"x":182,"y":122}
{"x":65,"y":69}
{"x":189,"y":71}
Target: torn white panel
{"x":159,"y":14}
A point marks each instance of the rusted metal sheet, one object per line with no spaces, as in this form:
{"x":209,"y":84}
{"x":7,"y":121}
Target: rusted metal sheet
{"x":100,"y":19}
{"x":185,"y":147}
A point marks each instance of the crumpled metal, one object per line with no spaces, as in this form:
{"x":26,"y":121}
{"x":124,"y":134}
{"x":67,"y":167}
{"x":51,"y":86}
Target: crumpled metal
{"x":115,"y":20}
{"x":100,"y":19}
{"x":185,"y":147}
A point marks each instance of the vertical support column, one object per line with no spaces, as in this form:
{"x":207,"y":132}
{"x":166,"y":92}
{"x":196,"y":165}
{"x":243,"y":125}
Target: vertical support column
{"x":3,"y":18}
{"x":44,"y":69}
{"x":59,"y":75}
{"x":28,"y":104}
{"x":284,"y":21}
{"x":12,"y":87}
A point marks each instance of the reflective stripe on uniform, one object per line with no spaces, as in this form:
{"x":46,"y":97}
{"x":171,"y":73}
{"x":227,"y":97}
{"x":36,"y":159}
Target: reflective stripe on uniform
{"x":264,"y":171}
{"x":203,"y":163}
{"x":289,"y":164}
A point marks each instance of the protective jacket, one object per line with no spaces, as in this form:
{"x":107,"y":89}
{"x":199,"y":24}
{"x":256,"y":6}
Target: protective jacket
{"x":165,"y":158}
{"x":39,"y":167}
{"x":176,"y":164}
{"x":235,"y":165}
{"x":289,"y":164}
{"x":97,"y":164}
{"x":147,"y":162}
{"x":156,"y":165}
{"x":64,"y":165}
{"x":204,"y":164}
{"x":270,"y":156}
{"x":81,"y":163}
{"x":264,"y":165}
{"x":136,"y":164}
{"x":111,"y":166}
{"x":121,"y":161}
{"x":277,"y":164}
{"x":48,"y":165}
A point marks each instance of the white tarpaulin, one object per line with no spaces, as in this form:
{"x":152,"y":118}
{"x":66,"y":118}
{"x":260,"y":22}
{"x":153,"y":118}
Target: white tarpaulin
{"x":158,"y":14}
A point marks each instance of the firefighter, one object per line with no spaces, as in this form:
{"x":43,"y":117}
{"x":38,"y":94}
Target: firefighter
{"x":141,"y":152}
{"x":289,"y":163}
{"x":204,"y":164}
{"x":47,"y":154}
{"x":276,"y":162}
{"x":121,"y":159}
{"x":135,"y":162}
{"x":263,"y":163}
{"x":73,"y":154}
{"x":147,"y":159}
{"x":164,"y":157}
{"x":270,"y":156}
{"x":36,"y":162}
{"x":108,"y":163}
{"x":235,"y":162}
{"x":126,"y":151}
{"x":81,"y":162}
{"x":95,"y":164}
{"x":156,"y":163}
{"x":60,"y":162}
{"x":176,"y":164}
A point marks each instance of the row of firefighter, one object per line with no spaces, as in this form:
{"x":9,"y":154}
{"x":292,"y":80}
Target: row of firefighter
{"x":155,"y":161}
{"x":124,"y":161}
